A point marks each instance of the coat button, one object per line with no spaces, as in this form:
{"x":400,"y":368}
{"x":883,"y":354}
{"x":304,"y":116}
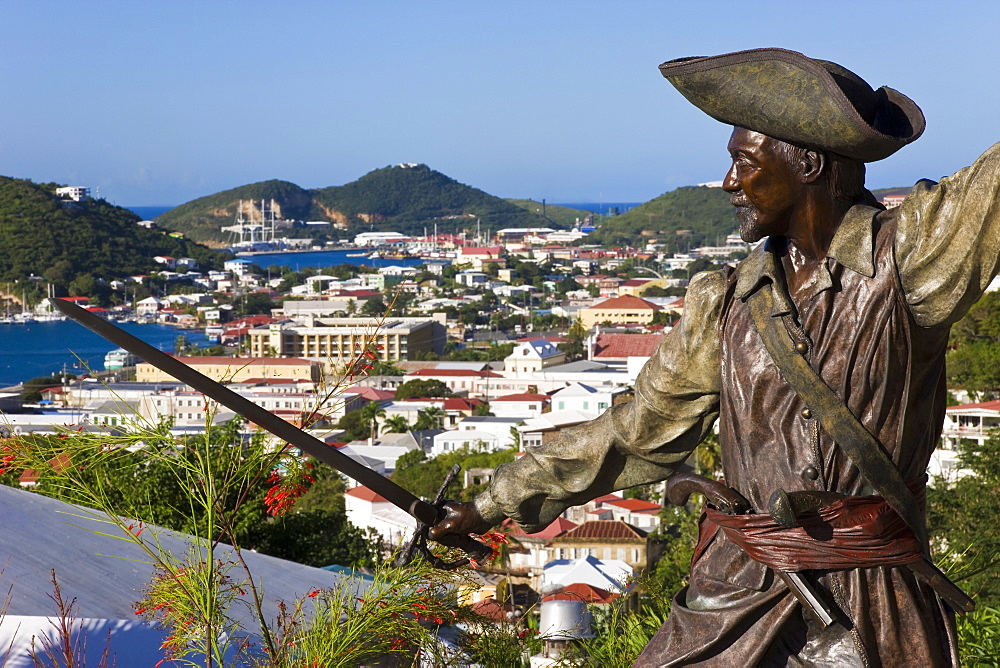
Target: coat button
{"x":806,"y":413}
{"x":810,"y":473}
{"x":801,"y":348}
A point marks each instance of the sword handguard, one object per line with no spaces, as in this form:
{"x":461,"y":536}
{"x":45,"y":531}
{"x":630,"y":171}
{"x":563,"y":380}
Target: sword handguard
{"x":417,"y":544}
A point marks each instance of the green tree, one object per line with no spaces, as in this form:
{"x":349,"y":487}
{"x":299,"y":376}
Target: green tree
{"x":354,"y":425}
{"x":396,"y":424}
{"x":326,"y":494}
{"x":975,"y":367}
{"x":375,"y":307}
{"x":431,"y":417}
{"x":371,"y":413}
{"x":383,"y":368}
{"x":961,"y":517}
{"x":422,"y":387}
{"x":315,"y":538}
{"x":577,"y":336}
{"x":255,"y":303}
{"x":981,"y":324}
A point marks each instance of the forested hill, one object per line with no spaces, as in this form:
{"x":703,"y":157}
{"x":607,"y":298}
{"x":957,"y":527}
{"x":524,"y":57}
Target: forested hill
{"x":402,"y":198}
{"x":407,"y":197}
{"x":684,"y":218}
{"x":202,"y":219}
{"x":72,"y":244}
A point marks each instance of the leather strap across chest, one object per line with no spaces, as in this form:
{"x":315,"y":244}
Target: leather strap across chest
{"x":851,"y":436}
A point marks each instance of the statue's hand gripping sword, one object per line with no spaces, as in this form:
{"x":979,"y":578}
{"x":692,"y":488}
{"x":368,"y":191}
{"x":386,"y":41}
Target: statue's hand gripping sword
{"x":426,"y":514}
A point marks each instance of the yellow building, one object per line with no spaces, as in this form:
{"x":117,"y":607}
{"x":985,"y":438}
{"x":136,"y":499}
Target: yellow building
{"x":236,"y":369}
{"x":343,"y":339}
{"x":636,"y":286}
{"x":624,"y":310}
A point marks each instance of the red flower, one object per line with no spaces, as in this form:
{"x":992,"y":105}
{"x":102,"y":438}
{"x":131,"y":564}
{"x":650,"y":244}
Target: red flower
{"x":313,"y":593}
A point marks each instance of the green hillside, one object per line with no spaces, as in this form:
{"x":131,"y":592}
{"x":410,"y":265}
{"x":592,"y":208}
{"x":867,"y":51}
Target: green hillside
{"x":202,"y":219}
{"x":402,"y":198}
{"x":559,"y":215}
{"x":72,"y":245}
{"x":704,"y":212}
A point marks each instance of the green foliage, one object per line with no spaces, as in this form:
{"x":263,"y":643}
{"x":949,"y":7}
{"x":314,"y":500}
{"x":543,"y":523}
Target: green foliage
{"x":254,"y":303}
{"x":981,"y":324}
{"x":424,"y":477}
{"x":973,"y":364}
{"x":78,"y":245}
{"x":962,"y":516}
{"x":420,"y":388}
{"x":383,"y":368}
{"x":559,"y":215}
{"x":325,"y":494}
{"x":677,"y":535}
{"x":431,"y":417}
{"x":395,"y":424}
{"x":405,"y":198}
{"x":705,"y":212}
{"x":315,"y":538}
{"x":622,"y":630}
{"x":397,"y":612}
{"x":203,"y":218}
{"x":975,"y":367}
{"x":354,"y":425}
{"x":979,"y":637}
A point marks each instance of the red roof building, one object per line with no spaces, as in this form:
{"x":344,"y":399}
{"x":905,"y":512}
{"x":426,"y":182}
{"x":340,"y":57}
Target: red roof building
{"x":619,"y":347}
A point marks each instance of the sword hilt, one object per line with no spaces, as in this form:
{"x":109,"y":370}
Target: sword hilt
{"x":417,"y":544}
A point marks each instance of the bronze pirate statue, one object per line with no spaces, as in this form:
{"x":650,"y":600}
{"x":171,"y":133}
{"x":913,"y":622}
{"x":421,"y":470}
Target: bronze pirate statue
{"x":821,"y":356}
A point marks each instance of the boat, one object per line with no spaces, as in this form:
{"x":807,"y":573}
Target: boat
{"x":253,"y":231}
{"x":118,"y":359}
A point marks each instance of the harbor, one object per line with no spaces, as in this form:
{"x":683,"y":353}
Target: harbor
{"x":39,"y":349}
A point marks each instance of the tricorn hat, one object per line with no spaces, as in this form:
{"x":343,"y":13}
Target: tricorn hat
{"x":786,"y":95}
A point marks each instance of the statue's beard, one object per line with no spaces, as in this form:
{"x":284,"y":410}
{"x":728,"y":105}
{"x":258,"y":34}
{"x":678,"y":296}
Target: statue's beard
{"x":749,"y":230}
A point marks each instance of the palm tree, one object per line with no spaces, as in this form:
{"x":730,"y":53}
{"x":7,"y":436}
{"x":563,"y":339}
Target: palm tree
{"x":396,"y":424}
{"x":430,"y":418}
{"x":370,"y":414}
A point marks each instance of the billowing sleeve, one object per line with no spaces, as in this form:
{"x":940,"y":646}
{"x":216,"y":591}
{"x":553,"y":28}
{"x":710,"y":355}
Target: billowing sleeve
{"x":948,"y":241}
{"x":642,"y":441}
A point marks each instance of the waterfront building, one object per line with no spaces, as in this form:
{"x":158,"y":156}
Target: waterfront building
{"x":236,"y":369}
{"x":339,"y":340}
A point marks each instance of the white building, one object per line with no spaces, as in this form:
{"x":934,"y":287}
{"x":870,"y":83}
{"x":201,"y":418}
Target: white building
{"x":238,"y":267}
{"x":522,"y":406}
{"x":590,"y":399}
{"x":75,"y":193}
{"x":381,"y":239}
{"x":367,"y":510}
{"x":532,"y":356}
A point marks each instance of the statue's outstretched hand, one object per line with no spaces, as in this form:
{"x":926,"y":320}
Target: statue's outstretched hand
{"x":459,"y":518}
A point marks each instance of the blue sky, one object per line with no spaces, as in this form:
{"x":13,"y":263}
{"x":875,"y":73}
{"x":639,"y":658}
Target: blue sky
{"x":157,"y":103}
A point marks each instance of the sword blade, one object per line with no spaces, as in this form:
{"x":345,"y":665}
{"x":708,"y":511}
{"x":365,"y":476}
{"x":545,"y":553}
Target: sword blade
{"x":421,"y":510}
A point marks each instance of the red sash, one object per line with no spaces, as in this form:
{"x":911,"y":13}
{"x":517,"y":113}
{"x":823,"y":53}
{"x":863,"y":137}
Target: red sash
{"x":854,"y":532}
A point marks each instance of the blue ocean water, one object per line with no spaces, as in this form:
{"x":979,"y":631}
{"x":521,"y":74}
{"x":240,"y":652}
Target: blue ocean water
{"x":149,"y":212}
{"x":599,"y":207}
{"x":43,"y":348}
{"x":296,"y":261}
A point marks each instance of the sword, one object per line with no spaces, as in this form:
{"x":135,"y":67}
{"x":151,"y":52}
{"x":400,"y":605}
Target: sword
{"x":681,"y":485}
{"x":425,"y":513}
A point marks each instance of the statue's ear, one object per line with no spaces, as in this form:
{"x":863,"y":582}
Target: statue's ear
{"x":811,"y":165}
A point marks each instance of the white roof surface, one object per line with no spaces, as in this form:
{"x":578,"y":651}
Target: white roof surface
{"x":105,"y":576}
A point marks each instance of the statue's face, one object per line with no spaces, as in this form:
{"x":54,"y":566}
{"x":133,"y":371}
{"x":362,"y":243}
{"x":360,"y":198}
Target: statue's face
{"x":764,"y":187}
